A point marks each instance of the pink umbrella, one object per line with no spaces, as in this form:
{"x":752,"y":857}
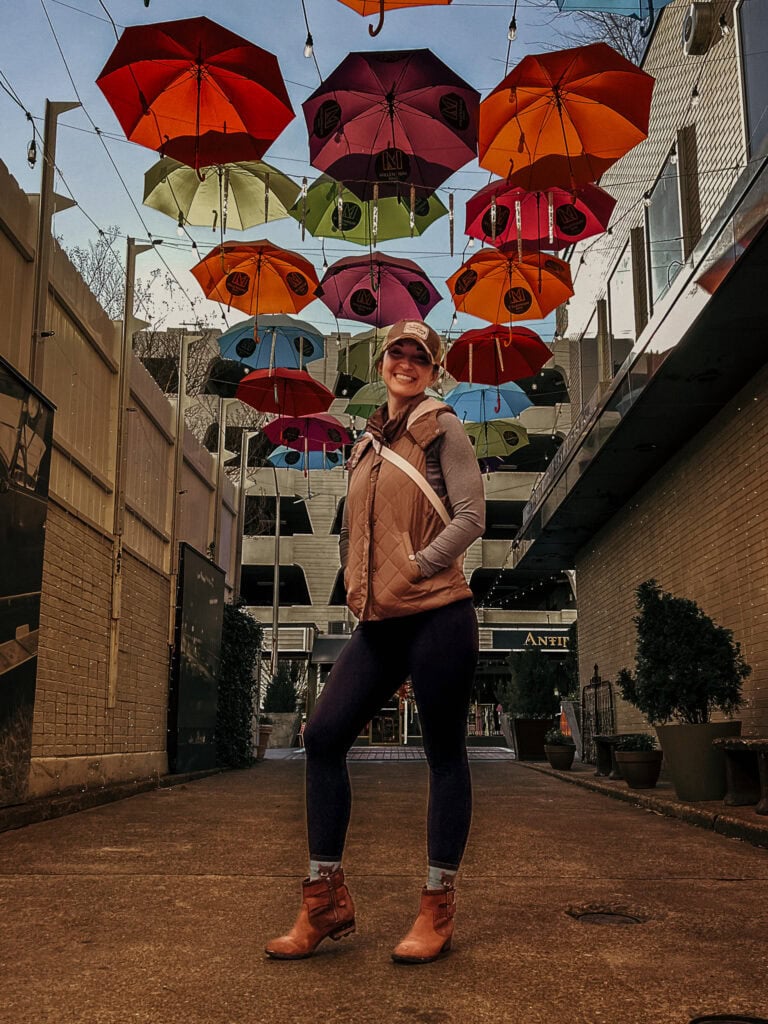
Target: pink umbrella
{"x":553,"y":219}
{"x":309,"y":433}
{"x":377,"y":289}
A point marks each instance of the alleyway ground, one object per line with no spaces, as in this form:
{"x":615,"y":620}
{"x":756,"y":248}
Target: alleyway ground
{"x":156,"y":908}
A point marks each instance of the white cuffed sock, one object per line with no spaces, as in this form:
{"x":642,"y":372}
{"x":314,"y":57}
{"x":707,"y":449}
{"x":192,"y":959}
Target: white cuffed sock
{"x":437,"y":878}
{"x":322,"y":868}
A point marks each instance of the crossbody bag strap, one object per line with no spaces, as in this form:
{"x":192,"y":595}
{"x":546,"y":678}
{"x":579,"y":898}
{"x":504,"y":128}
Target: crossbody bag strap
{"x":421,"y":482}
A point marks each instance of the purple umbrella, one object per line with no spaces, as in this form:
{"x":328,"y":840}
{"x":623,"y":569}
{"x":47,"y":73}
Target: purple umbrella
{"x":397,"y":119}
{"x":377,"y":289}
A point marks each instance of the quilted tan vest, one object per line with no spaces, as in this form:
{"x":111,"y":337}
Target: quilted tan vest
{"x":389,"y":519}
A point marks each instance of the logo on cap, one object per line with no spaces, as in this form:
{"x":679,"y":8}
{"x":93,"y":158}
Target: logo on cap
{"x":416,"y":329}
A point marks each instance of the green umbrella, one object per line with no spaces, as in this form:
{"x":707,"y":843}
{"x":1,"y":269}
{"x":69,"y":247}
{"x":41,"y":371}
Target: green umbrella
{"x":358,"y":357}
{"x":319,"y":211}
{"x":371,"y":396}
{"x":496,"y":437}
{"x":237,"y":196}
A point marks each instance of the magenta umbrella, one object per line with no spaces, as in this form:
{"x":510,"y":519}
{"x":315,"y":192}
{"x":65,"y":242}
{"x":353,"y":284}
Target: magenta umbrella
{"x":393,"y":119}
{"x":377,"y":289}
{"x":553,"y":219}
{"x":308,"y":433}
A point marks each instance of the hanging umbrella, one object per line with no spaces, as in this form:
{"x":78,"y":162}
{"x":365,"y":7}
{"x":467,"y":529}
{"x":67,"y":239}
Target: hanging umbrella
{"x":286,"y":392}
{"x":497,"y":286}
{"x":495,"y":354}
{"x":358,"y":357}
{"x":195,"y":91}
{"x":377,"y":289}
{"x":378,"y":7}
{"x":496,"y":437}
{"x":257,"y":277}
{"x":288,"y":458}
{"x":642,"y":10}
{"x":392,"y":119}
{"x":477,"y":403}
{"x":329,"y":210}
{"x":278,"y":340}
{"x":317,"y":432}
{"x":238,"y":196}
{"x":223,"y":376}
{"x":554,"y":219}
{"x":562,"y":118}
{"x":368,"y":399}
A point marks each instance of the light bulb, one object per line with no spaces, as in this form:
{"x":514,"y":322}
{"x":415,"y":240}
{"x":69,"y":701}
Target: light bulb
{"x":673,"y":156}
{"x":180,"y":226}
{"x":512,"y":30}
{"x":309,"y":45}
{"x":646,"y":199}
{"x":725,"y":28}
{"x":471,"y":244}
{"x":695,"y":96}
{"x":32,"y":153}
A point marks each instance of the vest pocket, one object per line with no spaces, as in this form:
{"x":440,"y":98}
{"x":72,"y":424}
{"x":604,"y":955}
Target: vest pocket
{"x":414,"y":572}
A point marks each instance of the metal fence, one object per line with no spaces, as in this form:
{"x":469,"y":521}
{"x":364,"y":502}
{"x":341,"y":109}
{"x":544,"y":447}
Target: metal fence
{"x":598,"y":714}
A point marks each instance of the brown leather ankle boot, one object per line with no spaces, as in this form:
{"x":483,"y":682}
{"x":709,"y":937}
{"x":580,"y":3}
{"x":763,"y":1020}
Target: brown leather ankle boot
{"x":432,"y":930}
{"x":327,"y":911}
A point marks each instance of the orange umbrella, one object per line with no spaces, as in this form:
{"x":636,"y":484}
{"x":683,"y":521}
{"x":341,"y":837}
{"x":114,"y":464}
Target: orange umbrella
{"x":496,"y":285}
{"x":257,"y":277}
{"x":371,"y":7}
{"x":562,"y":118}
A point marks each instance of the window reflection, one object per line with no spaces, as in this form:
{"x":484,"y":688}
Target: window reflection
{"x":664,"y":232}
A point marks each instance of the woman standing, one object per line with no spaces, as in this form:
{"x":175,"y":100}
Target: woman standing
{"x":414,"y":504}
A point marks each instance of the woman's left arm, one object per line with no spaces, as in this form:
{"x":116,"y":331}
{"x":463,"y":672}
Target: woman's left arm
{"x":466,"y":497}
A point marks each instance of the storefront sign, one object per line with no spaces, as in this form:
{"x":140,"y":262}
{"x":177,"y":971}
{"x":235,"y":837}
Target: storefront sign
{"x":545,"y":638}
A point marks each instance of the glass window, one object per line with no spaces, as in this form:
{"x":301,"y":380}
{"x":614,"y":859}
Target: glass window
{"x":621,"y":299}
{"x":664,"y":231}
{"x":753,"y":39}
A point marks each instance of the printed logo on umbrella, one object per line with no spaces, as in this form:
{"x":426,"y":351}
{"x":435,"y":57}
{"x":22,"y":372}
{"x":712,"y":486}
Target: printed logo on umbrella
{"x":327,"y":119}
{"x":454,"y":111}
{"x":465,"y":282}
{"x":518,"y":300}
{"x":392,"y":165}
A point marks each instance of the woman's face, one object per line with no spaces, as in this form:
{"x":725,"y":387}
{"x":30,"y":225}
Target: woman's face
{"x":406,"y":370}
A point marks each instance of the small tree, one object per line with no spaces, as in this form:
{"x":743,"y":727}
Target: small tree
{"x":686,"y":666}
{"x":282,"y":690}
{"x":530,"y":690}
{"x":240,"y":650}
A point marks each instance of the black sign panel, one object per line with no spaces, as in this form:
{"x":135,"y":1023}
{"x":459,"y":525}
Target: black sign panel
{"x":26,"y":431}
{"x":523,"y":638}
{"x":195,"y":666}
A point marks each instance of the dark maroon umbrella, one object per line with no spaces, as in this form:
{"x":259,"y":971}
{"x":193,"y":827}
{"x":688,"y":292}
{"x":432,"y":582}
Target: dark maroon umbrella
{"x":283,"y":391}
{"x":377,"y":289}
{"x":398,"y":118}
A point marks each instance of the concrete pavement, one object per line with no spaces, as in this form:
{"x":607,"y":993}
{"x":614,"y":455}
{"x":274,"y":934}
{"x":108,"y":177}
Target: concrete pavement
{"x":155,"y":909}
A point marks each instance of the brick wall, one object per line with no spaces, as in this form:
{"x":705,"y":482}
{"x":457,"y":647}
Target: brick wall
{"x":699,"y":527}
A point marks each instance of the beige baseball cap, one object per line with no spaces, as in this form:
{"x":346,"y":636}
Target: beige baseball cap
{"x":418,"y":331}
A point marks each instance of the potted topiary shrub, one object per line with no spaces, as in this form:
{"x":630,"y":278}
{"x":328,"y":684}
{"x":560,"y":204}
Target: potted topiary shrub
{"x":559,"y":749}
{"x":686,"y":668}
{"x":530,"y":698}
{"x":638,"y":759}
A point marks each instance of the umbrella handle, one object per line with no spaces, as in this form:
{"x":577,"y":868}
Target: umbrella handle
{"x":375,"y":31}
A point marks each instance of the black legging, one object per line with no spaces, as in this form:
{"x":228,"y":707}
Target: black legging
{"x":438,"y":650}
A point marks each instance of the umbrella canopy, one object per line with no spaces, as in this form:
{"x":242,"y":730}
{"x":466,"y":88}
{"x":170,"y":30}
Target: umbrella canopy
{"x":554,"y":219}
{"x":393,"y":119}
{"x":496,"y":437}
{"x":640,"y":9}
{"x":377,"y":289}
{"x":238,"y":195}
{"x":287,"y":392}
{"x":288,"y":458}
{"x":257,"y":277}
{"x":495,"y":354}
{"x":369,"y":7}
{"x":357,"y":359}
{"x":562,"y":118}
{"x":329,"y":210}
{"x":196,"y":91}
{"x":368,"y":399}
{"x":477,"y":403}
{"x":308,"y":433}
{"x":497,"y":286}
{"x":278,"y":340}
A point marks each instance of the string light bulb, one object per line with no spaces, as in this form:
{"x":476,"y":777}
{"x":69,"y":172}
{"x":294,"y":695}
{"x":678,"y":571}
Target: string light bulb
{"x":309,"y":45}
{"x":646,"y":199}
{"x":725,"y":28}
{"x":32,"y":153}
{"x":673,"y":156}
{"x":695,"y":96}
{"x":512,"y":30}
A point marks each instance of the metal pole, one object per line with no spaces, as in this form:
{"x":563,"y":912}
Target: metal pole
{"x":44,"y":238}
{"x":177,"y":471}
{"x":224,"y":404}
{"x":276,"y":580}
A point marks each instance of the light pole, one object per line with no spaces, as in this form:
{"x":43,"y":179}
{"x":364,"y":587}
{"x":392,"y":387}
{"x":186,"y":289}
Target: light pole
{"x":276,"y":581}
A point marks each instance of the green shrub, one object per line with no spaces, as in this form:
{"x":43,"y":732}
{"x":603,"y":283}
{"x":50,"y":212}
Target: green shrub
{"x":240,"y":653}
{"x":556,"y":738}
{"x":636,"y":741}
{"x":686,"y":666}
{"x":282,"y":689}
{"x":529,"y":692}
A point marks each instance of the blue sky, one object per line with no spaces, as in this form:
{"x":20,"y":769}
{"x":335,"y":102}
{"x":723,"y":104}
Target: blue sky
{"x":469,"y":37}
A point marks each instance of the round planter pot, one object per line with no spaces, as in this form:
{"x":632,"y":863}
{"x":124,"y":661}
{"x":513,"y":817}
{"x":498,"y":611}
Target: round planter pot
{"x":265,"y":731}
{"x":560,"y":757}
{"x":639,"y":768}
{"x":528,"y":736}
{"x":697,"y":769}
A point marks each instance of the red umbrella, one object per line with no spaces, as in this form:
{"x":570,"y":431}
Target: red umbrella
{"x":554,"y":219}
{"x":309,"y":433}
{"x":283,"y":391}
{"x":563,"y":118}
{"x":392,"y":120}
{"x":496,"y":354}
{"x":195,"y":91}
{"x":377,"y":289}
